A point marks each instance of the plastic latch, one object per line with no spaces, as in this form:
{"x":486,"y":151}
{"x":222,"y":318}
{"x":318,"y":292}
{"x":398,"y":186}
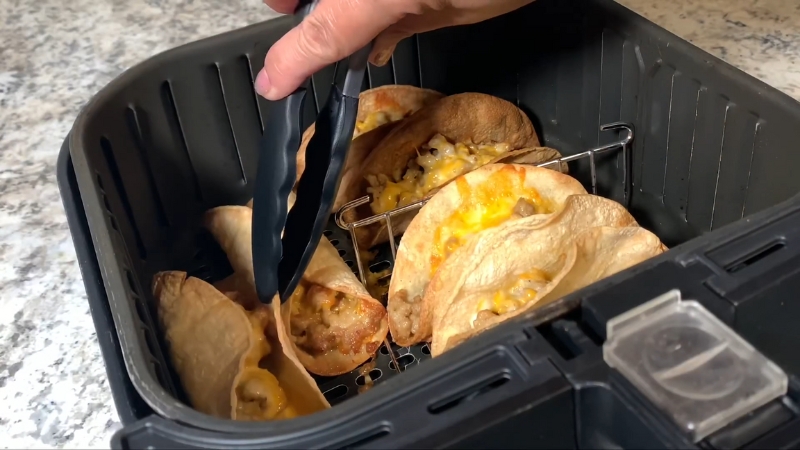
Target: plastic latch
{"x":690,"y":364}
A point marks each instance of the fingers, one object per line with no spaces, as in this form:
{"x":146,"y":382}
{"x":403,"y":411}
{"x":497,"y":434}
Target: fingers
{"x":282,"y":6}
{"x":385,"y":44}
{"x":334,"y":30}
{"x":387,"y":41}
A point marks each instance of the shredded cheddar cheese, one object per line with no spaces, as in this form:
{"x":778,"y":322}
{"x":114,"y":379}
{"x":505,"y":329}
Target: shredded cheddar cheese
{"x":484,"y":206}
{"x":439,"y":162}
{"x":515,"y":295}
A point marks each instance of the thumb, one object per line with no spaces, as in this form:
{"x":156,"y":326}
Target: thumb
{"x":334,"y":30}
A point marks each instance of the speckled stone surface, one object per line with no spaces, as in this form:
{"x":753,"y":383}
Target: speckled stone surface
{"x":55,"y":54}
{"x":761,"y":37}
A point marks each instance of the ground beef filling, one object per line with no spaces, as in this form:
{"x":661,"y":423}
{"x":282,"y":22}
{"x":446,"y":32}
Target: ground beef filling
{"x":324,"y":320}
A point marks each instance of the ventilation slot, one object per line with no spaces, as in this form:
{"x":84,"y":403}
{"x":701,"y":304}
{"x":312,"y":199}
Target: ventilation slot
{"x":249,"y":64}
{"x":131,"y":282}
{"x":215,"y":68}
{"x":141,"y":310}
{"x":377,"y":267}
{"x":176,"y":129}
{"x":470,"y":393}
{"x":161,"y":371}
{"x":107,"y":204}
{"x":754,"y":257}
{"x":366,"y":82}
{"x":335,"y":393}
{"x":374,"y":375}
{"x":160,"y":376}
{"x":152,"y":347}
{"x":135,"y":128}
{"x":403,"y":361}
{"x":111,"y":162}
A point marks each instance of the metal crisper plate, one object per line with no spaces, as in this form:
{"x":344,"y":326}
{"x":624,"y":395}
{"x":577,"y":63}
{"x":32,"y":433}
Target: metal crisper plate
{"x":341,"y":235}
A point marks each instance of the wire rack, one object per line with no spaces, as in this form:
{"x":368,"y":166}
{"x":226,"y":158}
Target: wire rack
{"x":392,"y":359}
{"x":623,"y":144}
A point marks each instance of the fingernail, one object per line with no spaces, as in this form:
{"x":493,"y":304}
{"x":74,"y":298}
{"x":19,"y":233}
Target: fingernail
{"x":262,"y":85}
{"x":383,"y":57}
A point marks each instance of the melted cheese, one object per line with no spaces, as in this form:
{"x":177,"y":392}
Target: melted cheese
{"x":515,"y":295}
{"x":376,"y":119}
{"x":259,"y":393}
{"x":482,"y":207}
{"x":437,"y":163}
{"x":318,"y":317}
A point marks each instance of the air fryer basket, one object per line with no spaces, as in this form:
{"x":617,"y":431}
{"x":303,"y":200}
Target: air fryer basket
{"x":178,"y":134}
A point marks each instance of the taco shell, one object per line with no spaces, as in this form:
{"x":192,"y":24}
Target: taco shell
{"x":424,"y":152}
{"x":377,"y":109}
{"x":335,"y":325}
{"x":228,"y":360}
{"x":475,"y":202}
{"x":529,"y":263}
{"x":236,"y":288}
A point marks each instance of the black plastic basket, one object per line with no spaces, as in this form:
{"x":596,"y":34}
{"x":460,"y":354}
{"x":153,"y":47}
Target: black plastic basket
{"x":178,"y":134}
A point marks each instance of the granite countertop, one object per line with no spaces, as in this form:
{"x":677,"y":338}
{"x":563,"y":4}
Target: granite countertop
{"x":56,"y":55}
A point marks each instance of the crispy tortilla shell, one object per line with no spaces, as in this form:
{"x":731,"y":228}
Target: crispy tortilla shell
{"x":567,"y":247}
{"x":396,"y":101}
{"x":236,"y":288}
{"x":469,"y":117}
{"x":231,"y":227}
{"x":328,"y":270}
{"x":227,"y":362}
{"x":409,"y":317}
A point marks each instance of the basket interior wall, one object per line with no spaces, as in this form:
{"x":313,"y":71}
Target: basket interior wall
{"x":181,"y":135}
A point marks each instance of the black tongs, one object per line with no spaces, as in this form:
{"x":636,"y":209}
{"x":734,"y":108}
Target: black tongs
{"x":278,"y":264}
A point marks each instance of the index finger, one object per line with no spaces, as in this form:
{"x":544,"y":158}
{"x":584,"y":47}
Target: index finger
{"x":282,"y":6}
{"x":334,"y":30}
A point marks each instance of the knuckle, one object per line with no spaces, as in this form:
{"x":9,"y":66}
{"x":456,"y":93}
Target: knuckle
{"x":317,"y":38}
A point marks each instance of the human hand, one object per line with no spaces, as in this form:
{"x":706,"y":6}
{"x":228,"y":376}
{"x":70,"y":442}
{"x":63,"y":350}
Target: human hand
{"x":338,"y":28}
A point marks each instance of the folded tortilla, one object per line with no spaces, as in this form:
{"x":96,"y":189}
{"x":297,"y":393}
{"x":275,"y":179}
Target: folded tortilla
{"x":229,"y":360}
{"x":523,"y":265}
{"x":378,"y":109}
{"x":477,"y":201}
{"x":333,"y":323}
{"x":331,"y":320}
{"x":424,"y":152}
{"x":236,"y":288}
